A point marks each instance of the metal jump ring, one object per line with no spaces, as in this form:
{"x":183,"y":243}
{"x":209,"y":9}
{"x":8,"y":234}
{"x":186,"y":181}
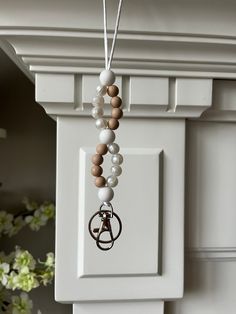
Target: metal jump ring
{"x":100,"y":212}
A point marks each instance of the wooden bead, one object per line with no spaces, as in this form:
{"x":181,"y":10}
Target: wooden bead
{"x":96,"y":171}
{"x":113,"y":124}
{"x":113,"y":91}
{"x":100,"y":181}
{"x":97,"y":159}
{"x":101,"y":149}
{"x":116,"y":113}
{"x":116,"y":102}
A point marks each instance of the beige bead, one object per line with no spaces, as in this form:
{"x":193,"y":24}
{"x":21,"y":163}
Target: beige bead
{"x":113,"y":124}
{"x":116,"y":113}
{"x":113,"y":91}
{"x":100,"y":181}
{"x":101,"y":149}
{"x":96,"y":171}
{"x":97,"y":159}
{"x":116,"y":102}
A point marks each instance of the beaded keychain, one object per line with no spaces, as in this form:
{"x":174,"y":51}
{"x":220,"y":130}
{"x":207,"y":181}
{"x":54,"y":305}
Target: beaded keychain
{"x":103,"y":235}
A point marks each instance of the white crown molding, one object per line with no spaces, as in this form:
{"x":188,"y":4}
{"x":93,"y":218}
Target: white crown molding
{"x":79,"y":52}
{"x":146,"y":96}
{"x":223,"y":102}
{"x":177,"y":44}
{"x":165,"y":54}
{"x":9,"y":50}
{"x":171,"y":38}
{"x":214,"y":254}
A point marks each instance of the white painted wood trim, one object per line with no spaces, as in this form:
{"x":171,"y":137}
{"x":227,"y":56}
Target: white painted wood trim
{"x":143,"y":96}
{"x":71,"y":230}
{"x":162,"y":54}
{"x":212,"y":254}
{"x":150,"y":307}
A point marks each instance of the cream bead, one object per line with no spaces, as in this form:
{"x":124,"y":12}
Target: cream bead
{"x":113,"y":148}
{"x":117,"y":159}
{"x":105,"y":194}
{"x":98,"y":101}
{"x":107,"y":136}
{"x":101,"y":123}
{"x":107,"y":77}
{"x":97,"y":112}
{"x":112,"y":181}
{"x":101,"y":90}
{"x":116,"y":170}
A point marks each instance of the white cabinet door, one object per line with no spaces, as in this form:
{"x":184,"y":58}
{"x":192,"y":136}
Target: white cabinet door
{"x":146,"y":262}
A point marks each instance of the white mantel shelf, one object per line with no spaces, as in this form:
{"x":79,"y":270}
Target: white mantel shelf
{"x":174,"y":60}
{"x":162,"y":54}
{"x":173,"y":43}
{"x":176,"y":38}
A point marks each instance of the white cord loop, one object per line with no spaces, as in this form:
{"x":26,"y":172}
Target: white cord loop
{"x":108,"y":62}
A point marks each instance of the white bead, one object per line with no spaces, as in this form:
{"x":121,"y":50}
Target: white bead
{"x":97,"y":112}
{"x":101,"y":90}
{"x":112,"y":181}
{"x":116,"y":170}
{"x":107,"y":77}
{"x":107,"y":136}
{"x":105,"y":194}
{"x":113,"y":148}
{"x":101,"y":123}
{"x":117,"y":159}
{"x":98,"y":101}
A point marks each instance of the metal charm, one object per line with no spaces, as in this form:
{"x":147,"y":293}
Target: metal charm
{"x":105,"y":228}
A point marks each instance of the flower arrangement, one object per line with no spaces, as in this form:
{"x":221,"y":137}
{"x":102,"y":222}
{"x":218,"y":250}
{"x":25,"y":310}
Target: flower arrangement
{"x":19,"y":271}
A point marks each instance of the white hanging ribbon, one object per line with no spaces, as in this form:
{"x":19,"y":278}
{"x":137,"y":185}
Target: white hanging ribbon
{"x":109,"y":61}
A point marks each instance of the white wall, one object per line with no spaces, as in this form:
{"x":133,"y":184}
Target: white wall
{"x":210,"y":266}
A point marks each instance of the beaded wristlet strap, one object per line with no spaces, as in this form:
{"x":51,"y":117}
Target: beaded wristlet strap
{"x":103,"y":235}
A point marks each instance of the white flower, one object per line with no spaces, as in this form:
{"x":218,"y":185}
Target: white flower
{"x":21,"y":304}
{"x":48,"y":209}
{"x":4,"y":270}
{"x":36,"y":221}
{"x":18,"y":224}
{"x":24,"y":261}
{"x":5,"y":221}
{"x":47,"y":277}
{"x":30,"y":205}
{"x":12,"y":281}
{"x":26,"y":281}
{"x":50,"y":260}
